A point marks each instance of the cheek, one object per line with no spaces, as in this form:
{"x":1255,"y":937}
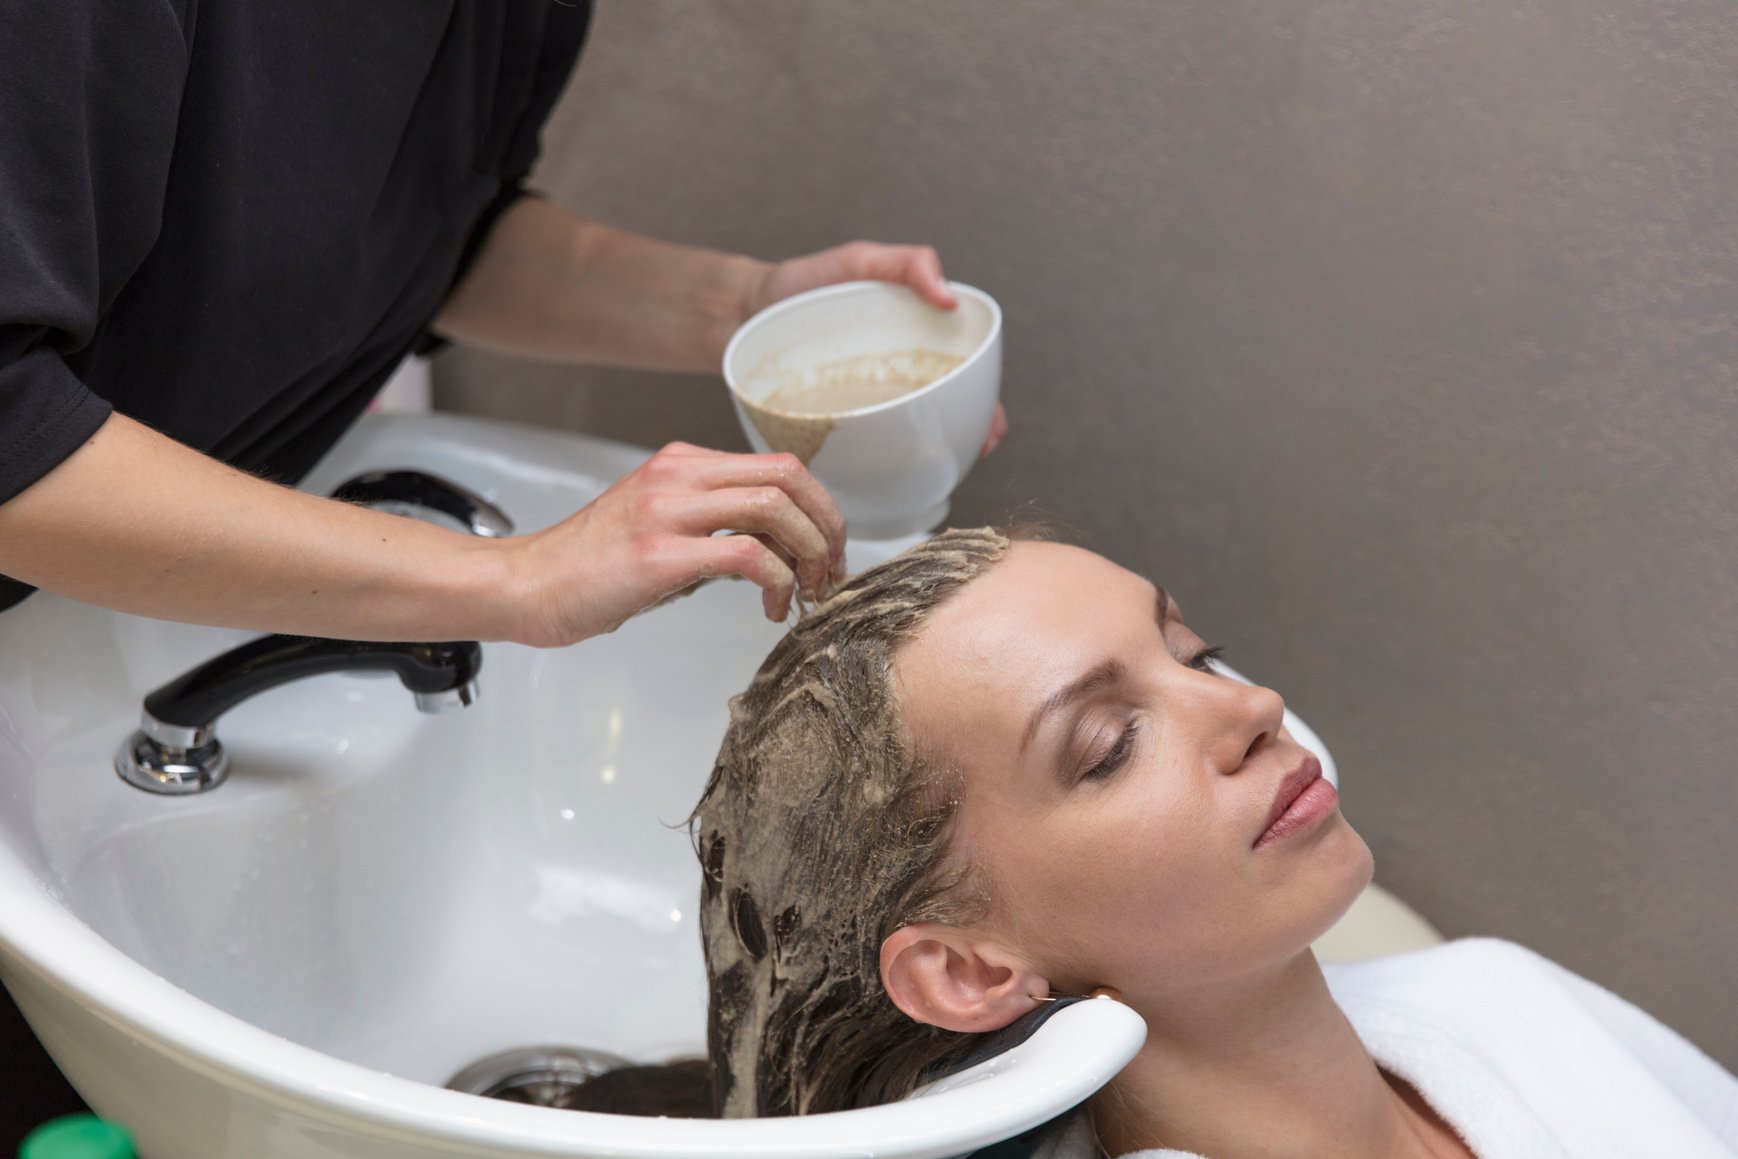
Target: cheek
{"x":1101,"y":886}
{"x":1178,"y":879}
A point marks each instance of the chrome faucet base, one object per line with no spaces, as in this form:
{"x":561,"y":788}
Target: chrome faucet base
{"x":448,"y":700}
{"x":148,"y":764}
{"x":176,"y":750}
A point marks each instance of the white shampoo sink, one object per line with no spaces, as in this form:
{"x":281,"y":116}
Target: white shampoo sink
{"x":294,"y":963}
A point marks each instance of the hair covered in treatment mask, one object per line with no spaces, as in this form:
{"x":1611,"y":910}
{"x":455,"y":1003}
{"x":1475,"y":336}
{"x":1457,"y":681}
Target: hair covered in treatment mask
{"x":822,"y":831}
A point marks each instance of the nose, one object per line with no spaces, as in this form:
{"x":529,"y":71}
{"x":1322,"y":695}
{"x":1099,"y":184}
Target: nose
{"x":1252,"y":719}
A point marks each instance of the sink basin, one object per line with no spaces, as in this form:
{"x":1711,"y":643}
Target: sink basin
{"x":293,"y":964}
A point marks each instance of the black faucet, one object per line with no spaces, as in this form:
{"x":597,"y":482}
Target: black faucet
{"x":423,"y":496}
{"x":175,"y":750}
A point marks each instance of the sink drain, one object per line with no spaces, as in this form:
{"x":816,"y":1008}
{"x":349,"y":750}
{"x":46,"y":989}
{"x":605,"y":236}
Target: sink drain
{"x":544,"y":1076}
{"x":571,"y":1078}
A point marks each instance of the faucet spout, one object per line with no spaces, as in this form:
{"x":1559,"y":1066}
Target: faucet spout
{"x":176,"y":750}
{"x":425,"y":496}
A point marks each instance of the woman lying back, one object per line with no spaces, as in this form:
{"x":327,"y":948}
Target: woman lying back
{"x":987,"y":772}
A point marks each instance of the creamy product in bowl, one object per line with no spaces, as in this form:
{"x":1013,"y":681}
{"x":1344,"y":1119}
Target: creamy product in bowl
{"x":854,"y":383}
{"x":797,"y":415}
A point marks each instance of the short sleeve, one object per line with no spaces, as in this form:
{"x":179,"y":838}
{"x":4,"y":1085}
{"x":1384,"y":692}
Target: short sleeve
{"x":510,"y":192}
{"x":541,"y":44}
{"x":89,"y":99}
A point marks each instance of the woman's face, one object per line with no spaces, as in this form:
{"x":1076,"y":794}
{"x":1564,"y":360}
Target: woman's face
{"x":1116,"y":793}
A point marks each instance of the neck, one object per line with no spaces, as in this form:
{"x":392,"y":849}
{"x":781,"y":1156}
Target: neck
{"x":1261,"y":1065}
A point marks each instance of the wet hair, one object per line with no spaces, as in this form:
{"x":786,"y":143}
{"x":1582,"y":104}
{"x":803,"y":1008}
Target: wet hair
{"x":821,"y":831}
{"x":672,"y":1090}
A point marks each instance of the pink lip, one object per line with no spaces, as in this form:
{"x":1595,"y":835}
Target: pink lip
{"x":1303,"y":799}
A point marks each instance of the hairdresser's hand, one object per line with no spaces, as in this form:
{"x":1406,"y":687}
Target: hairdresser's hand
{"x":917,"y":266}
{"x":651,"y":536}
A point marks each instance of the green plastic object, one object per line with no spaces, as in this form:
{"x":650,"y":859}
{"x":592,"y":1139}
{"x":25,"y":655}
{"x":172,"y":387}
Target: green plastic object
{"x":78,"y":1137}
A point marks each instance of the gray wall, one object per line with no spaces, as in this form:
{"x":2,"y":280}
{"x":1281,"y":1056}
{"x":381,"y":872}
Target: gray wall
{"x":1397,"y":339}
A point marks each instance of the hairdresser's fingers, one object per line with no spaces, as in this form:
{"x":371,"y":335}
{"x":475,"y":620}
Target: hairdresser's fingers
{"x":771,"y":514}
{"x":787,"y":473}
{"x":926,"y":275}
{"x":773,"y":546}
{"x":682,"y":466}
{"x":917,"y":266}
{"x":745,"y":556}
{"x":829,"y":584}
{"x":998,"y":431}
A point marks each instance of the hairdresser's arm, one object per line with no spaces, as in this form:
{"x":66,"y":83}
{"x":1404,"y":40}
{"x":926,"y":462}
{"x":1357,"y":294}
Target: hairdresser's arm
{"x":138,"y":522}
{"x":552,"y":284}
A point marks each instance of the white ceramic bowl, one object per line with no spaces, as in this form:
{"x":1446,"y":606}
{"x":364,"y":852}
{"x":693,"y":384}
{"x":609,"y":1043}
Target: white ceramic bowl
{"x":891,"y":466}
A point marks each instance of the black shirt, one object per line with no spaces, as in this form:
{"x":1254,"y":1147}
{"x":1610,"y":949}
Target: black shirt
{"x":231,"y":219}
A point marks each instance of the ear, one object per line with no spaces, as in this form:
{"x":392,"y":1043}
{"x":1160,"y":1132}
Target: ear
{"x":957,"y":980}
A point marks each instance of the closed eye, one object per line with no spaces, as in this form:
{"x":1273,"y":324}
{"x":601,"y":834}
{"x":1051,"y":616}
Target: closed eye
{"x":1202,"y":661}
{"x":1108,"y":764}
{"x":1113,"y":760}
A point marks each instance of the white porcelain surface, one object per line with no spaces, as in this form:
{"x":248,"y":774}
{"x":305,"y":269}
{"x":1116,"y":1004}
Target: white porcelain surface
{"x":889,"y":467}
{"x":376,"y":898}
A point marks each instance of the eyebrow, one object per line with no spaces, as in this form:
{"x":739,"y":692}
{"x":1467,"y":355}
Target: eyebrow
{"x":1106,"y":672}
{"x":1095,"y":678}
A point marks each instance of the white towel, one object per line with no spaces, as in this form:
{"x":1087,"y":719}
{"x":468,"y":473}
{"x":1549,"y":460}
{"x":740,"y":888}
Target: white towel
{"x":1524,"y":1059}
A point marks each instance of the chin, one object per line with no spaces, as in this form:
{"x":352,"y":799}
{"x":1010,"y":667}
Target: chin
{"x":1321,"y":886}
{"x":1346,"y":868}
